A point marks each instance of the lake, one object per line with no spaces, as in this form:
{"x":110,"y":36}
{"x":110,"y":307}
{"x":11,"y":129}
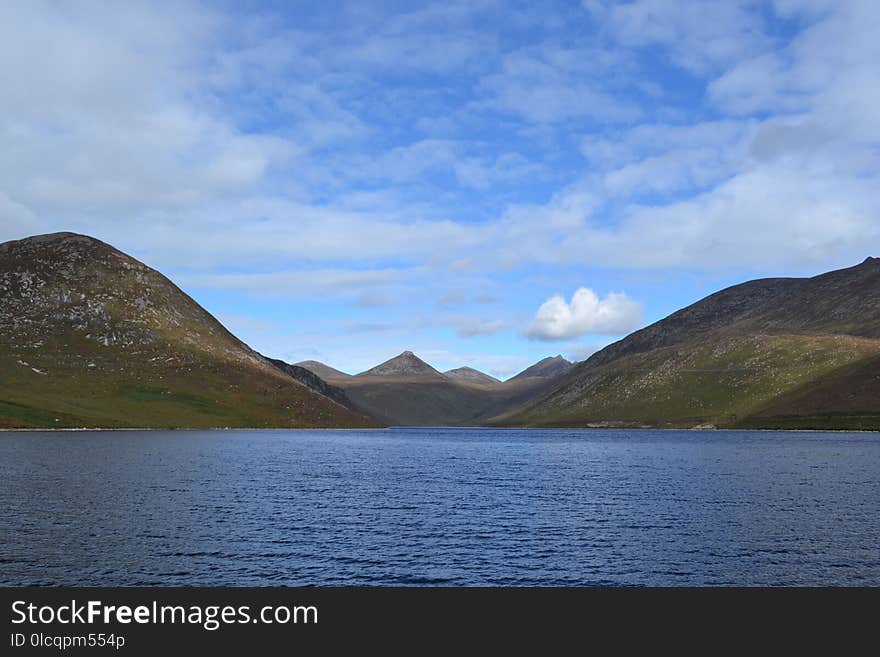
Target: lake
{"x":439,"y":507}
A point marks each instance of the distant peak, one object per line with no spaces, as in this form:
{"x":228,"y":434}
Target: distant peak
{"x":470,"y":374}
{"x":558,"y":358}
{"x":546,"y":367}
{"x":870,"y":260}
{"x":407,"y":363}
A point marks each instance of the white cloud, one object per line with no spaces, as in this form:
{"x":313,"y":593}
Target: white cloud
{"x":666,"y":159}
{"x":613,"y":150}
{"x":793,"y":189}
{"x":586,"y":314}
{"x":547,"y":85}
{"x":342,"y":150}
{"x":704,"y":35}
{"x":121,"y":131}
{"x":108,"y":108}
{"x":487,"y":327}
{"x":482,"y":174}
{"x":764,"y":83}
{"x":788,"y":215}
{"x":828,"y":68}
{"x":310,"y":284}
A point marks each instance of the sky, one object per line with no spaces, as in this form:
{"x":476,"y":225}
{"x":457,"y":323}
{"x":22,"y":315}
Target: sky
{"x":484,"y":183}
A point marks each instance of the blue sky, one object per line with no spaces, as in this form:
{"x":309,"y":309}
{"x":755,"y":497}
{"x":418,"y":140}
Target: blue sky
{"x":484,"y":183}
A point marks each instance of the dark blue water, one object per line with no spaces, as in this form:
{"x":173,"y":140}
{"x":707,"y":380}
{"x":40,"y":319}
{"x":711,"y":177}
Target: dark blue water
{"x":439,"y":506}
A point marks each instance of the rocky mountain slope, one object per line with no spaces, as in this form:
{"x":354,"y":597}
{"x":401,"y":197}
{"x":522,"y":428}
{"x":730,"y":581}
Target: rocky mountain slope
{"x":91,"y":337}
{"x":313,"y":381}
{"x":783,"y":352}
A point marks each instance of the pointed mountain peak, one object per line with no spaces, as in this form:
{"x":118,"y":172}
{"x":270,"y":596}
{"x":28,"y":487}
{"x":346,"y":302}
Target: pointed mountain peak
{"x":557,"y":359}
{"x":546,"y":367}
{"x":406,"y":364}
{"x":470,"y":375}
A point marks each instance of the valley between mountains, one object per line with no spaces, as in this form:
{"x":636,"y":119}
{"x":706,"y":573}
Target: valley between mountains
{"x":91,"y":337}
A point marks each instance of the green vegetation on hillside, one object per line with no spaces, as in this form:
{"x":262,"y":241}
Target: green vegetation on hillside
{"x":771,"y":353}
{"x":113,"y":388}
{"x":720,"y":383}
{"x":90,"y":337}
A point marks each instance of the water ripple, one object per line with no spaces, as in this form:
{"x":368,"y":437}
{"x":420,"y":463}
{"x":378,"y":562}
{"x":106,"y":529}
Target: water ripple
{"x":426,"y":507}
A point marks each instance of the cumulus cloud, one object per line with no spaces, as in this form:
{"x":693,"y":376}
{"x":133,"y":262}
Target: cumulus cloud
{"x":585,"y":314}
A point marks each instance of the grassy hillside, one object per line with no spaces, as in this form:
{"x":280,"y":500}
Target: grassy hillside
{"x":91,"y":337}
{"x":721,"y":384}
{"x":846,"y":398}
{"x":195,"y":392}
{"x":792,"y":353}
{"x":417,"y":403}
{"x":407,"y":402}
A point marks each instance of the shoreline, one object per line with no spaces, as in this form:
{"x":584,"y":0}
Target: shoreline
{"x":470,"y":428}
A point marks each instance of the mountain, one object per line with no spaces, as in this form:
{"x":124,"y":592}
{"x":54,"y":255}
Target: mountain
{"x":470,"y":375}
{"x":407,"y":391}
{"x":90,"y":337}
{"x":782,"y":352}
{"x":548,"y":367}
{"x":406,"y":365}
{"x":324,"y":371}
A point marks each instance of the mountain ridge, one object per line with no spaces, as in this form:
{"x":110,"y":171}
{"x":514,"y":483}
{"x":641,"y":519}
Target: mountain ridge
{"x":407,"y":391}
{"x":90,"y":336}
